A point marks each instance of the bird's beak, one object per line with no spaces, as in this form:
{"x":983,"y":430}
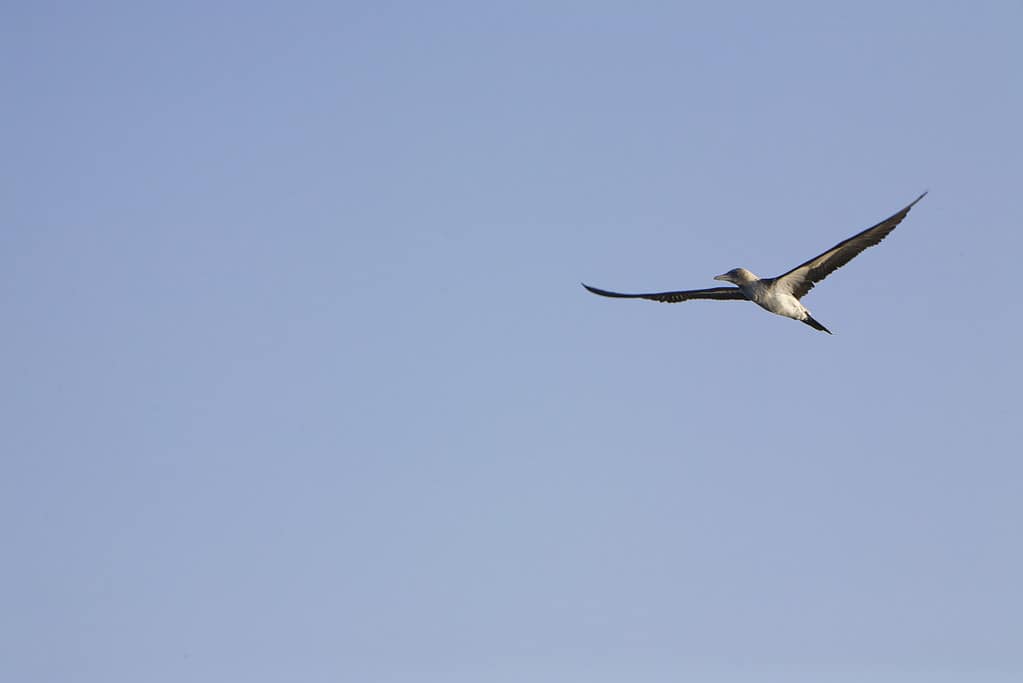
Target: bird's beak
{"x":722,"y":277}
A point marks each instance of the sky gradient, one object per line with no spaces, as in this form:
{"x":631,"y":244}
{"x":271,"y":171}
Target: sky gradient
{"x":301,"y":385}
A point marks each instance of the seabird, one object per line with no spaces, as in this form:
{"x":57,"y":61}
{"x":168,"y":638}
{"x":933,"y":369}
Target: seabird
{"x":781,"y":295}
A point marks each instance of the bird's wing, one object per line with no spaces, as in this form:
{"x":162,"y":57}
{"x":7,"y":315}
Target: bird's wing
{"x":721,"y":293}
{"x":802,"y":278}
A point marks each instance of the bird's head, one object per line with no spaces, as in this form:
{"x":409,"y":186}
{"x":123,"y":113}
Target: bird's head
{"x":738,"y":276}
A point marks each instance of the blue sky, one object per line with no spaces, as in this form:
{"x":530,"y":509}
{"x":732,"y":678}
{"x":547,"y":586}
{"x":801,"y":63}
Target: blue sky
{"x":301,"y":383}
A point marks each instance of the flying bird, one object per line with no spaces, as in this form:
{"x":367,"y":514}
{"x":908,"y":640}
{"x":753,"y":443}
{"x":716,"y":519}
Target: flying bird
{"x":780,"y":295}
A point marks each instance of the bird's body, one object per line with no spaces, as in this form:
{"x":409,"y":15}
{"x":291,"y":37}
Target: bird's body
{"x":773,"y":299}
{"x":781,"y":295}
{"x":771,"y":296}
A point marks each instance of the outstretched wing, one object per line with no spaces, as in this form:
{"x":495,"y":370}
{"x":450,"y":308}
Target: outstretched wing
{"x":720,"y":293}
{"x":802,"y":278}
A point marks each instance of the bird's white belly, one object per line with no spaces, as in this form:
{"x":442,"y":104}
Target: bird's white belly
{"x":779,"y":303}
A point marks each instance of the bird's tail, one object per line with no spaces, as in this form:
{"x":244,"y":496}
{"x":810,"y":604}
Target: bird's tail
{"x":814,"y":324}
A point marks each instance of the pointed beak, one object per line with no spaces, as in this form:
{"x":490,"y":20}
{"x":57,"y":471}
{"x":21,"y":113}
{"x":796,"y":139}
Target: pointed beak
{"x":723,"y":276}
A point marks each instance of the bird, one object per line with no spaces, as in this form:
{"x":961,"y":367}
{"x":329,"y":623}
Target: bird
{"x":781,"y":295}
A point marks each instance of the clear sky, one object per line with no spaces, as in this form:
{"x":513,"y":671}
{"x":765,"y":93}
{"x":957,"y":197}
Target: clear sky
{"x":299,"y":383}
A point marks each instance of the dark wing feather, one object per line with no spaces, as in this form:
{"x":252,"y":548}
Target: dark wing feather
{"x":721,"y":293}
{"x":802,"y":278}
